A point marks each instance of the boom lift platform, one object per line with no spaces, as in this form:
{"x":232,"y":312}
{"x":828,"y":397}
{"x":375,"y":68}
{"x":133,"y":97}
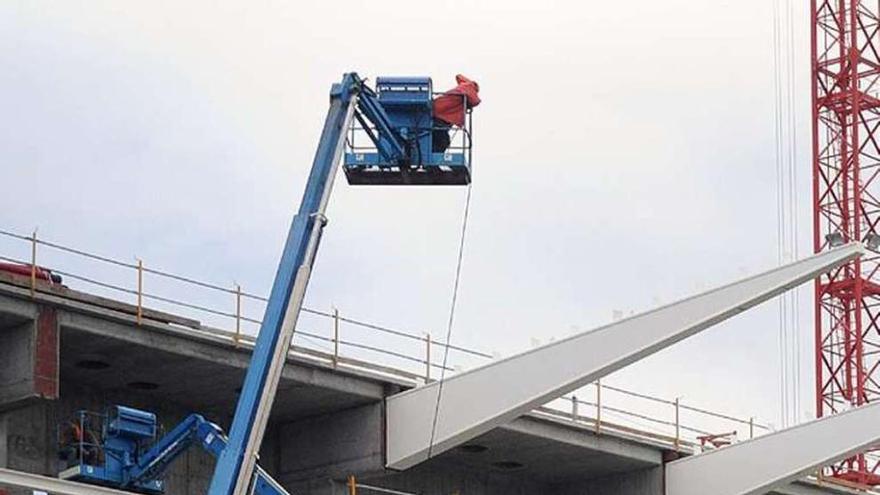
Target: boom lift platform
{"x":394,"y":138}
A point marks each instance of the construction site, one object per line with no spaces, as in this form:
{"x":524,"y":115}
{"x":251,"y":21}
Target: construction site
{"x":119,"y":375}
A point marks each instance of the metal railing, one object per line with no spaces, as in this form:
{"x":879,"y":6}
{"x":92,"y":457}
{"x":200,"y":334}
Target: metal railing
{"x":80,"y":441}
{"x":348,"y":340}
{"x":665,"y":420}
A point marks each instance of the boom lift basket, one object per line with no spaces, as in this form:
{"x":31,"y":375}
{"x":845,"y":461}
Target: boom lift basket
{"x":408,"y":104}
{"x":96,"y":448}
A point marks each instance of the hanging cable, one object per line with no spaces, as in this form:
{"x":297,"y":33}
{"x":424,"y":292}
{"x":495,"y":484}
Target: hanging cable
{"x":449,"y":324}
{"x":794,"y":305}
{"x":787,"y":229}
{"x":780,"y":208}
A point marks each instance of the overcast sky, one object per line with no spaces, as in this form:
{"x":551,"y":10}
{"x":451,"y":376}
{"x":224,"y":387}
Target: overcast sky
{"x":623,"y":158}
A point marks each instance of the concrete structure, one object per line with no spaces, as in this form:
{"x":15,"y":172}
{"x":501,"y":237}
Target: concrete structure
{"x":62,"y":350}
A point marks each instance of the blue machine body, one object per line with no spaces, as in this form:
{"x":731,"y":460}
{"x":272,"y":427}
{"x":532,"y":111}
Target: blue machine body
{"x":127,"y":454}
{"x":105,"y":457}
{"x":132,"y":425}
{"x":391,"y":140}
{"x":407,"y":102}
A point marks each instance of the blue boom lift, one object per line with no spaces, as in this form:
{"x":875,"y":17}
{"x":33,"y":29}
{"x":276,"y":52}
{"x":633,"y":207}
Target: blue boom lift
{"x":386,"y":135}
{"x":122,"y":449}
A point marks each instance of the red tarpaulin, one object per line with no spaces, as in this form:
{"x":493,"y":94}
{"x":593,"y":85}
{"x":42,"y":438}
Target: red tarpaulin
{"x":450,"y":106}
{"x":25,"y":270}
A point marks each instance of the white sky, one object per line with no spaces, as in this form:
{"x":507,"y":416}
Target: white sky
{"x":623,"y":158}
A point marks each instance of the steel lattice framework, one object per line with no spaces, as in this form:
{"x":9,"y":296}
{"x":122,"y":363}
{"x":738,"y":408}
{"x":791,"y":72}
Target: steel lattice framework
{"x":846,"y":162}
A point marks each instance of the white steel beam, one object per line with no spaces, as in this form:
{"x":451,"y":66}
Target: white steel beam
{"x":772,"y":461}
{"x":53,"y":486}
{"x":478,"y":400}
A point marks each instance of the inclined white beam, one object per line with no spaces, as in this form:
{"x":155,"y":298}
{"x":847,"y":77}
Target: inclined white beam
{"x":772,"y":461}
{"x":54,"y":486}
{"x":478,"y":400}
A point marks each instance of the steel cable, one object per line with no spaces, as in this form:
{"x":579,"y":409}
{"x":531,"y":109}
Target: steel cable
{"x":449,"y":325}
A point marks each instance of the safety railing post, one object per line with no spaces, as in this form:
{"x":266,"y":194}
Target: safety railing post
{"x":140,"y":291}
{"x":34,"y":264}
{"x":677,"y":423}
{"x":427,"y":357}
{"x":237,"y":337}
{"x":82,"y":438}
{"x":335,"y":337}
{"x":574,"y":408}
{"x":352,"y":485}
{"x":598,"y":406}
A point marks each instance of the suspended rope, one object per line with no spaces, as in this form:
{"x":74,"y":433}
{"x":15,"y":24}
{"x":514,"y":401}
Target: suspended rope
{"x":793,"y":209}
{"x":780,"y":217}
{"x":451,"y":320}
{"x":787,"y":231}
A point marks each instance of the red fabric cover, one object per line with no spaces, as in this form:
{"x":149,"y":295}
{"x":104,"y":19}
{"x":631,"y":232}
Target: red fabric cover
{"x":25,"y":270}
{"x":450,"y":106}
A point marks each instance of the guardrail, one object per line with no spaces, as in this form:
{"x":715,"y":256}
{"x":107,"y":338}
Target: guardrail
{"x":410,"y":354}
{"x":665,"y":421}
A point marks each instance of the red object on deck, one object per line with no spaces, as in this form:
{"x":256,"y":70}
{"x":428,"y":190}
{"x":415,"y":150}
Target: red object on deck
{"x":25,"y":270}
{"x":450,"y":107}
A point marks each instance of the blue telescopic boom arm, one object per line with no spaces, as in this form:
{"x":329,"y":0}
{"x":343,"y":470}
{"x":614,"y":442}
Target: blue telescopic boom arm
{"x":194,"y":429}
{"x":153,"y":463}
{"x":235,"y":466}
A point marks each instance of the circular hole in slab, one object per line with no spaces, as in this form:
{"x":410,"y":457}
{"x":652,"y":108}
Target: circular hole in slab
{"x":143,"y":385}
{"x":93,"y":364}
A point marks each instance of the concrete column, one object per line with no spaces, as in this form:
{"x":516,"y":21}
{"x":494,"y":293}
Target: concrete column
{"x":29,"y":361}
{"x":28,"y":438}
{"x":16,"y":365}
{"x":332,"y":446}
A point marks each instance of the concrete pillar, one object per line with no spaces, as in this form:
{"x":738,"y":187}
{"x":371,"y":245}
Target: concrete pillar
{"x":332,"y":446}
{"x":16,"y":365}
{"x":29,"y":361}
{"x":28,"y":438}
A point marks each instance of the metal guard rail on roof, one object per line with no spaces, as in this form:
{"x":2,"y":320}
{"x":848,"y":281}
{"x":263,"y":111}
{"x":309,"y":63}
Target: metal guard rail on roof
{"x":335,"y":357}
